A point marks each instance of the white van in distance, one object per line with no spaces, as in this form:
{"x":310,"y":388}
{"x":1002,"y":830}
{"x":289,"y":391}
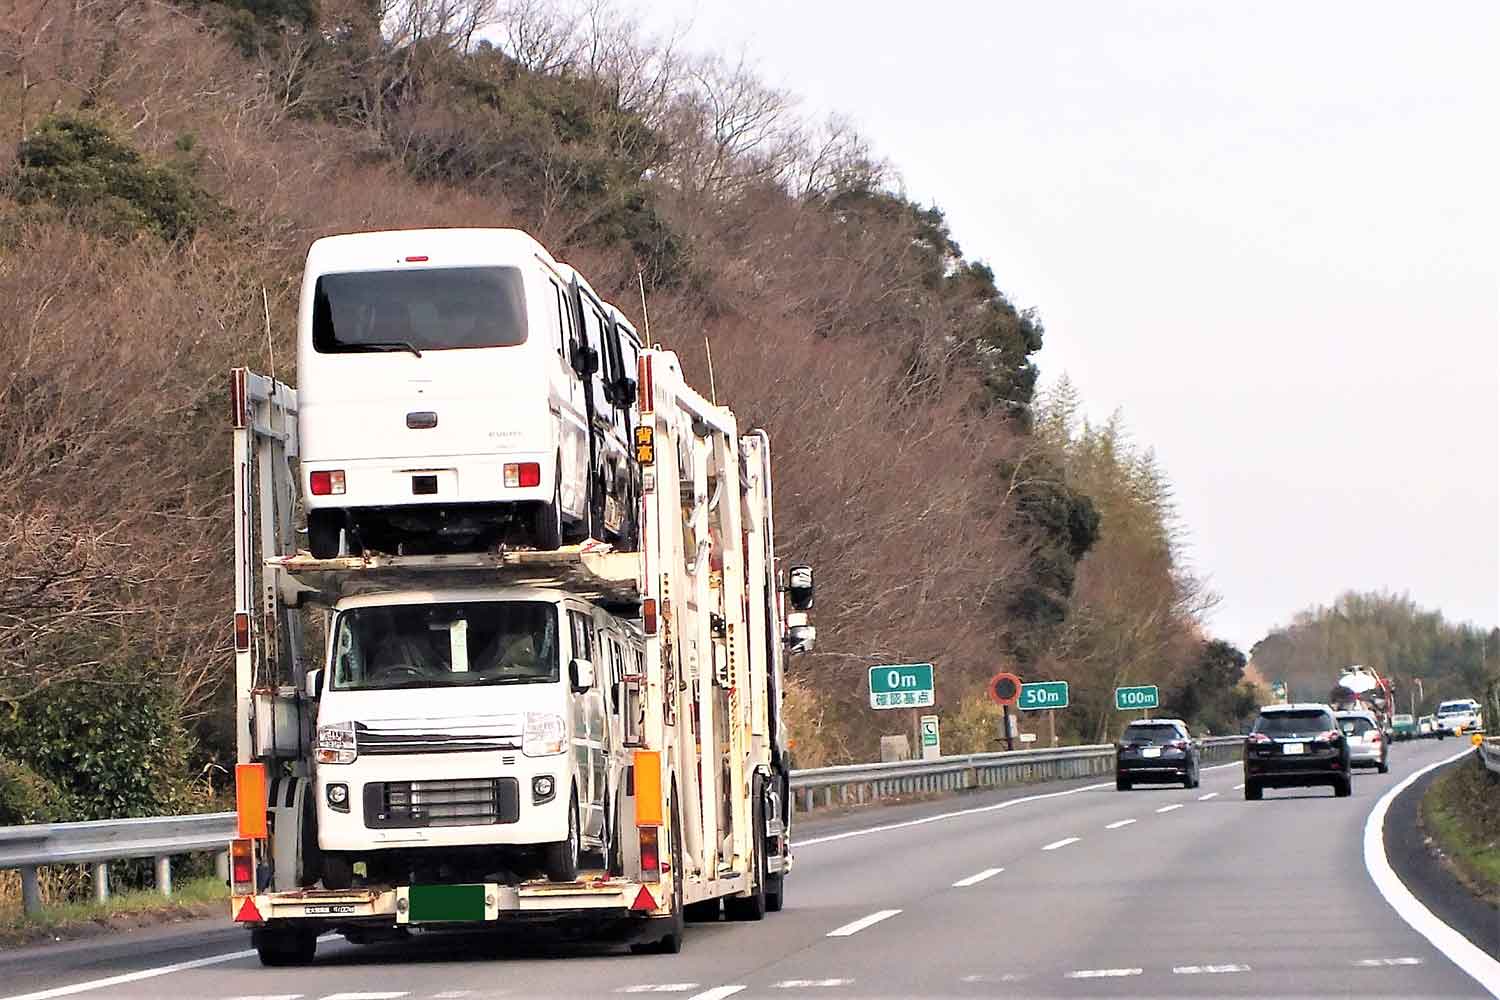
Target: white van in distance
{"x":447,"y":395}
{"x":474,"y":730}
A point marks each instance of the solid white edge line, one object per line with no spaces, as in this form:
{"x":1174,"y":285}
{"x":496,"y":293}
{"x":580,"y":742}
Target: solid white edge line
{"x":967,"y":812}
{"x":1061,"y":843}
{"x":856,"y":926}
{"x":1118,"y":823}
{"x":964,"y":883}
{"x":1459,"y":950}
{"x":717,"y":993}
{"x":1167,"y":809}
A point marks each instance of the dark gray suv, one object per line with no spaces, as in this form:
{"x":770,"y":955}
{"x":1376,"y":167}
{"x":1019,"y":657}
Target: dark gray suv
{"x":1294,"y":746}
{"x":1157,"y":750}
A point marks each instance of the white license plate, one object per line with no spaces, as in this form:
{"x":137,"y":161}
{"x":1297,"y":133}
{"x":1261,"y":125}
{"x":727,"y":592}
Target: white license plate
{"x":331,"y":910}
{"x":1292,"y":749}
{"x":1151,"y":752}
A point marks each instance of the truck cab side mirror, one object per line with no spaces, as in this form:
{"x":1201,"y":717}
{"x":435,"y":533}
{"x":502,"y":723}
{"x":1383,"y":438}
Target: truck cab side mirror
{"x":800,"y":636}
{"x":799,"y":587}
{"x":585,"y":360}
{"x":312,"y":685}
{"x":581,"y":675}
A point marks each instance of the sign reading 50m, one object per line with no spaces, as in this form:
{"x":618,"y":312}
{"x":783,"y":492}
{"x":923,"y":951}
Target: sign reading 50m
{"x":902,"y":685}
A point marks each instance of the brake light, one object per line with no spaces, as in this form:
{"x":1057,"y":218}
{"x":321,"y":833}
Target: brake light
{"x":1178,"y":744}
{"x":522,"y":475}
{"x":1330,"y":736}
{"x":1374,"y":736}
{"x":417,"y":259}
{"x":242,"y":866}
{"x":1257,"y":738}
{"x":650,"y":855}
{"x":329,"y":482}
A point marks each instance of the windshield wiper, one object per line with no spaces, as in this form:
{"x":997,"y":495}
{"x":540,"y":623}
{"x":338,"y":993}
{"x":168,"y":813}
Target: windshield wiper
{"x":515,"y":680}
{"x":390,"y":345}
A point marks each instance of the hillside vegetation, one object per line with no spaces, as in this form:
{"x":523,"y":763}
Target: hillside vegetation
{"x":163,"y":168}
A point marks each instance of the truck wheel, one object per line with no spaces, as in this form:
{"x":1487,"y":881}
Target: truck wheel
{"x":547,"y":529}
{"x":1343,"y":786}
{"x":278,"y":946}
{"x":1252,"y":791}
{"x":323,"y":528}
{"x":1383,"y":767}
{"x":560,"y":860}
{"x":753,"y":906}
{"x":775,"y":893}
{"x":337,"y":871}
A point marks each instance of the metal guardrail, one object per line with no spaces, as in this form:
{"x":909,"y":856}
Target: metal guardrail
{"x":102,"y":841}
{"x":1489,"y":753}
{"x":857,"y":783}
{"x":99,"y":842}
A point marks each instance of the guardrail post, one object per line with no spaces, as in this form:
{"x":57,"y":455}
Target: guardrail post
{"x":164,"y":874}
{"x":101,"y":882}
{"x":31,"y":891}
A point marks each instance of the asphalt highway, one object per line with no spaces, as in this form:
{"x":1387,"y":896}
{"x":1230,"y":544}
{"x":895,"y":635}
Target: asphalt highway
{"x":1068,"y":889}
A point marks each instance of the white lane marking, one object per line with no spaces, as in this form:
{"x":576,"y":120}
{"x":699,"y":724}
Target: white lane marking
{"x":1061,"y":843}
{"x":1210,"y":795}
{"x":1167,"y":809}
{"x":964,"y":883}
{"x":452,"y":995}
{"x":802,"y":984}
{"x":271,"y":996}
{"x":658,"y":988}
{"x":1239,"y":787}
{"x":1459,"y":949}
{"x":1378,"y":963}
{"x":858,"y":925}
{"x":1203,"y":970}
{"x":1008,"y":977}
{"x":1118,"y":823}
{"x":717,"y":993}
{"x":885,"y":827}
{"x":389,"y":995}
{"x":134,"y":977}
{"x":1103,"y":973}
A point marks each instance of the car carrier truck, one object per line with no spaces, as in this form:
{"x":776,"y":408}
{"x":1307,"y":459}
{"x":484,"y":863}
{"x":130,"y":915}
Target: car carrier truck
{"x":582,"y":737}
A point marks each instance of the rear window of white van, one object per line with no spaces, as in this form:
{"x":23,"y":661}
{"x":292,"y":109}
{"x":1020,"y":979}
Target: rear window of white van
{"x":423,"y":309}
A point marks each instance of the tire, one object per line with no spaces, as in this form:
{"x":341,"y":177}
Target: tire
{"x":1122,"y":784}
{"x":1253,"y":792}
{"x":775,"y":893}
{"x":706,"y":912}
{"x":547,"y":527}
{"x":560,"y":859}
{"x":1382,"y":768}
{"x":1343,"y":786}
{"x":1191,"y":781}
{"x":337,"y":872}
{"x":282,"y":946}
{"x":753,"y":906}
{"x":323,"y":529}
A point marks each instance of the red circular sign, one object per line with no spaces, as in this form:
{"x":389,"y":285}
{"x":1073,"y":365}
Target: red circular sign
{"x":1004,"y":688}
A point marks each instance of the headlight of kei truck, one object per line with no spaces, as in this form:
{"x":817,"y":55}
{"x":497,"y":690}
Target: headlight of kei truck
{"x":337,"y":744}
{"x":545,"y":734}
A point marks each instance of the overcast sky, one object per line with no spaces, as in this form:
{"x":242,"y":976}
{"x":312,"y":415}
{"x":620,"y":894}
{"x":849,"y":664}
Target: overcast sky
{"x":1268,"y":232}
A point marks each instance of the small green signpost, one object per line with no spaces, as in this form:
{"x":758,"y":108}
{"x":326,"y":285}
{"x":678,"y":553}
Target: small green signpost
{"x":1042,"y":695}
{"x":1130,"y":699}
{"x":902,"y":685}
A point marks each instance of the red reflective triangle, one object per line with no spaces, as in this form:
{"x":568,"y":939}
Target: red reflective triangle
{"x":644,"y":900}
{"x":248,"y":913}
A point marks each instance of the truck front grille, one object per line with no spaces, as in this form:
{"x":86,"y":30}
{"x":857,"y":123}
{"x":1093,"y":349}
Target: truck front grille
{"x":454,"y":802}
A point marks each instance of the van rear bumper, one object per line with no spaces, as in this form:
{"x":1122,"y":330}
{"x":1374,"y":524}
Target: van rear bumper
{"x":428,"y":480}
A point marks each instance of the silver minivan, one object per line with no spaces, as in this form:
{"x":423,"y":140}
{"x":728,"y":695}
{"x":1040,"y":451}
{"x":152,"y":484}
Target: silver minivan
{"x":1368,"y":745}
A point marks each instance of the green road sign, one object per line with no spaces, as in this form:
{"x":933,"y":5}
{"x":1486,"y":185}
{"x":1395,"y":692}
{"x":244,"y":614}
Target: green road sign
{"x":1131,"y":698}
{"x":902,"y":685}
{"x":1043,"y":694}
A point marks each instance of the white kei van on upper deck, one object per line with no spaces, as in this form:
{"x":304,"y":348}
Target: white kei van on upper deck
{"x":457,"y":388}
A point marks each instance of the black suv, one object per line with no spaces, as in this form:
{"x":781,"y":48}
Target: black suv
{"x":1294,"y":746}
{"x":1156,"y":750}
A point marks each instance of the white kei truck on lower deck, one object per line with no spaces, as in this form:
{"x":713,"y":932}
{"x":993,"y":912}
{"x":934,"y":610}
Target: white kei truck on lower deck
{"x":582,"y":737}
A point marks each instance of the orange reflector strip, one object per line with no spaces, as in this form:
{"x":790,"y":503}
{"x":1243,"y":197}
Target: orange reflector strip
{"x":644,"y":901}
{"x":250,"y":799}
{"x":647,"y":788}
{"x":241,"y":632}
{"x":644,"y":388}
{"x":648,"y":616}
{"x":248,"y":913}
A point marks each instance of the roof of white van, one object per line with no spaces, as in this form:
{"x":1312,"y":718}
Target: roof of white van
{"x":361,"y":251}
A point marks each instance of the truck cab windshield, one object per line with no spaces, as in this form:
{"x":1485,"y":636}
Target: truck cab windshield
{"x":462,"y":644}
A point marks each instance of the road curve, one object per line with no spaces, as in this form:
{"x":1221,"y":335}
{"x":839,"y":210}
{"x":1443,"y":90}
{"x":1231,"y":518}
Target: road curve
{"x":1060,"y":890}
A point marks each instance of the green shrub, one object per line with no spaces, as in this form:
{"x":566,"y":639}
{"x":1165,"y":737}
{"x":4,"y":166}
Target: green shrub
{"x":77,"y":165}
{"x":27,"y":797}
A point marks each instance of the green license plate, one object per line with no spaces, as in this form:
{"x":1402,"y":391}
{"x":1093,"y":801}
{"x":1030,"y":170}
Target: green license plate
{"x":441,"y":903}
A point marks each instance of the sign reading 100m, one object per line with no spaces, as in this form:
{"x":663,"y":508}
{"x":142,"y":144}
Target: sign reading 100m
{"x":904,"y":685}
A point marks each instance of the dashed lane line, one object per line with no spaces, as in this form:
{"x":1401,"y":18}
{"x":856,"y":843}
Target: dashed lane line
{"x":1061,"y":843}
{"x":1210,"y":795}
{"x":1239,"y":787}
{"x":718,"y":992}
{"x":1118,"y":823}
{"x":1207,"y":970}
{"x":964,"y":883}
{"x":803,"y":984}
{"x":1167,"y":809}
{"x":386,"y":995}
{"x":1103,"y":973}
{"x":856,"y":926}
{"x":1380,"y":963}
{"x":658,"y":988}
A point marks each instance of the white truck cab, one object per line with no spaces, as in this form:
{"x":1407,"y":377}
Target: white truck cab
{"x":483,"y":719}
{"x":446,"y":394}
